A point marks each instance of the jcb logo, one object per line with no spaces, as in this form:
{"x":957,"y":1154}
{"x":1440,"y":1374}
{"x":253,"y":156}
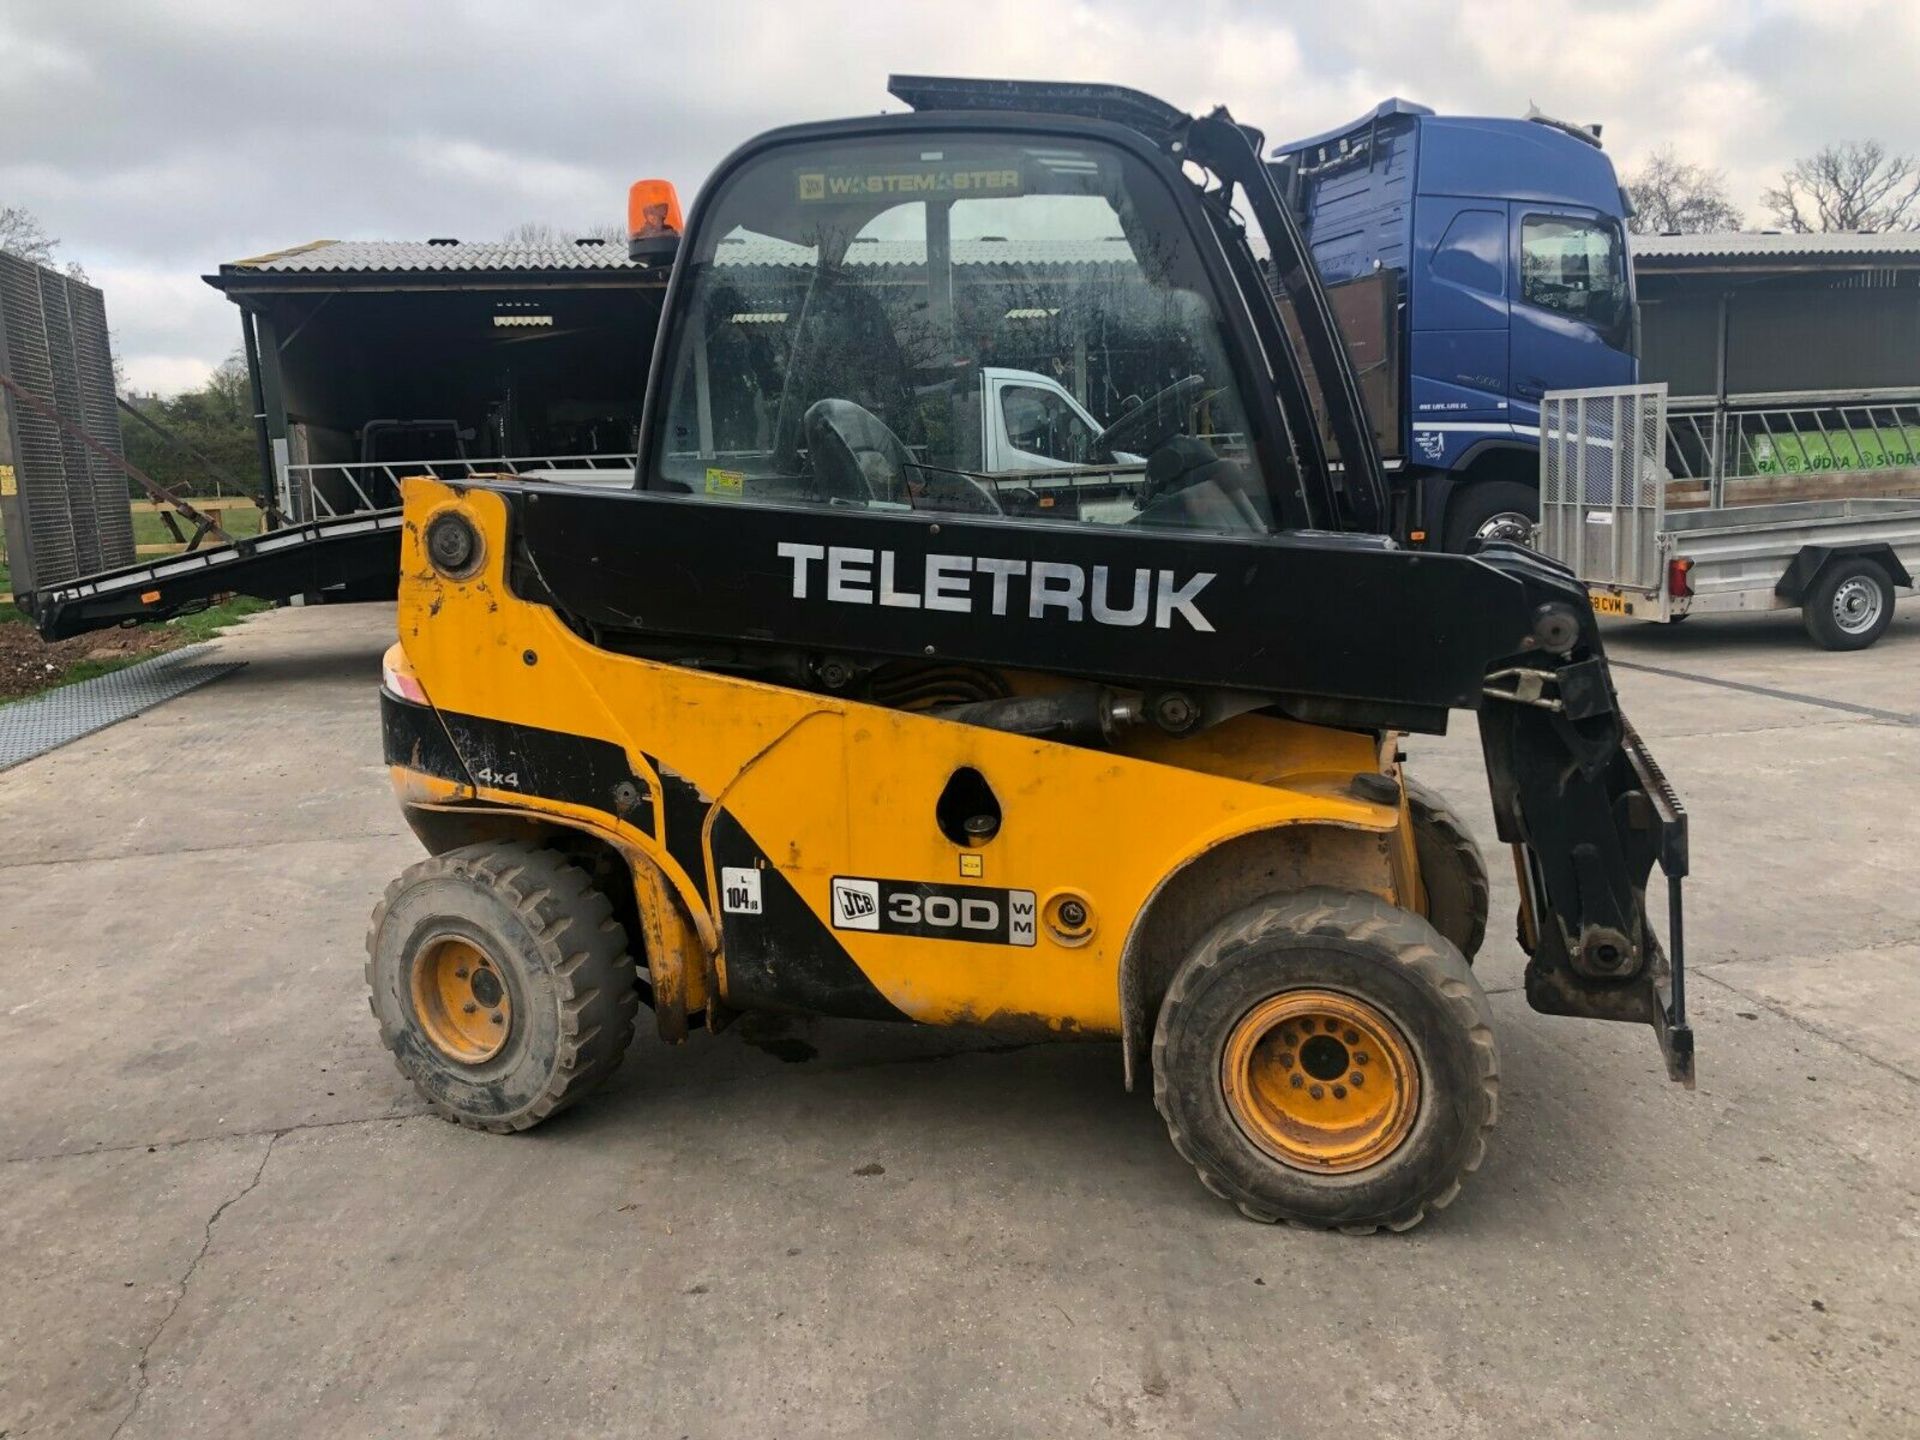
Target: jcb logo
{"x":813,"y":187}
{"x":856,"y":904}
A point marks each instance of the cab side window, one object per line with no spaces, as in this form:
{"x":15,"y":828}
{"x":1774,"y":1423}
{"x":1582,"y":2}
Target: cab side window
{"x":1577,"y":267}
{"x":1042,"y":423}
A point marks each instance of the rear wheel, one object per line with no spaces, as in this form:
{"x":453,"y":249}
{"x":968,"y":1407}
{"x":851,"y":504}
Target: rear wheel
{"x":1492,"y":510}
{"x":1452,"y":870}
{"x":501,"y":982}
{"x":1327,"y":1059}
{"x":1849,"y":605}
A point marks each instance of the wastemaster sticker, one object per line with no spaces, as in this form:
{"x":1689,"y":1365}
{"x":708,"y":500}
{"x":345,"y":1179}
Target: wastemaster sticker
{"x":905,"y":182}
{"x":983,"y":914}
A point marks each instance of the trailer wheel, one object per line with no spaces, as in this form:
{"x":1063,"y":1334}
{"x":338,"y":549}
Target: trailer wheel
{"x":1452,"y":870}
{"x":501,"y":982}
{"x":1492,"y":510}
{"x":1326,"y":1059}
{"x":1849,"y":605}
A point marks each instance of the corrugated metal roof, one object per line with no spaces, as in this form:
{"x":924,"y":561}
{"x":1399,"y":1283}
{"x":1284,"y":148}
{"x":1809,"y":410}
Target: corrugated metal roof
{"x":1749,"y":244}
{"x":328,"y":257}
{"x":338,"y":257}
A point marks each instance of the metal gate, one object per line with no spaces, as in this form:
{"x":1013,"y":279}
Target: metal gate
{"x":1603,"y":482}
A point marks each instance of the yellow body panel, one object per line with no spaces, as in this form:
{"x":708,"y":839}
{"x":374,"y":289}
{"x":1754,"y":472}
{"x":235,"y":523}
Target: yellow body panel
{"x":829,"y":787}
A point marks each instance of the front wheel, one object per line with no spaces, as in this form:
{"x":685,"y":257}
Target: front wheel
{"x":1492,"y":510}
{"x":1327,"y":1059}
{"x":501,"y":982}
{"x":1849,"y":605}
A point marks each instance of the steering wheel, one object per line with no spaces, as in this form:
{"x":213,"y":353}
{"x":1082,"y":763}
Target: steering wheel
{"x":1154,"y":420}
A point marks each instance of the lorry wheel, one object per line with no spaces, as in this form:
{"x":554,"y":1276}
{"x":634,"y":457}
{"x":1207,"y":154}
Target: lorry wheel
{"x":1326,"y":1059}
{"x":1849,"y":605}
{"x":1451,"y":869}
{"x":501,"y":982}
{"x":1492,"y":510}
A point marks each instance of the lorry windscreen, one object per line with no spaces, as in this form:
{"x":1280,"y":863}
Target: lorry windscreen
{"x":844,"y":302}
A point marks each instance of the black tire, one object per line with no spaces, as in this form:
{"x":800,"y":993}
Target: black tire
{"x":1452,"y":869}
{"x":562,"y":958}
{"x":1849,"y":605}
{"x":1357,"y":946}
{"x":1484,"y":501}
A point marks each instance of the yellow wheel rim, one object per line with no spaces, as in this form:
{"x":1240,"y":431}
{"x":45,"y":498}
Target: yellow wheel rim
{"x":460,"y":1000}
{"x":1321,"y":1081}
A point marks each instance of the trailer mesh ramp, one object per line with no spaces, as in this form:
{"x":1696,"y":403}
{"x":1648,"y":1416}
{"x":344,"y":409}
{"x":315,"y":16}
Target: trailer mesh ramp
{"x":29,"y":728}
{"x":1603,"y":482}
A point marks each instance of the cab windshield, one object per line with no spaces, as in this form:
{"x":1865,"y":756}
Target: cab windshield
{"x":952,"y":323}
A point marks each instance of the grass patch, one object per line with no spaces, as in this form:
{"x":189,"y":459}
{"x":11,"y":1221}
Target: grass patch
{"x":10,"y":614}
{"x":239,"y":518}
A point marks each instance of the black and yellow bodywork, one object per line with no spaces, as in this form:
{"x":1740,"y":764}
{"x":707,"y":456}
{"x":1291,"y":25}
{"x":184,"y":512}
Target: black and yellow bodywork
{"x":1111,"y":753}
{"x":738,"y":806}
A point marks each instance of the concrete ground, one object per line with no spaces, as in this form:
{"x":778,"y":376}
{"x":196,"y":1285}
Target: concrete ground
{"x":222,"y":1212}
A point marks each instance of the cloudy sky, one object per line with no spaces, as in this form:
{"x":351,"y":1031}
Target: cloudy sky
{"x":157,"y":138}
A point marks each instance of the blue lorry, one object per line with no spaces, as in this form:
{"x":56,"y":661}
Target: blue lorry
{"x":1474,"y":264}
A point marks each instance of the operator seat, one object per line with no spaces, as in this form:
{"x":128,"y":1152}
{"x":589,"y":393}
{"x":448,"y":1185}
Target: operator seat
{"x":857,"y":459}
{"x":843,"y":348}
{"x":855,"y":456}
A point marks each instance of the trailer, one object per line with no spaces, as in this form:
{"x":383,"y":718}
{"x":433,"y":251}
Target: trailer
{"x":1840,"y":544}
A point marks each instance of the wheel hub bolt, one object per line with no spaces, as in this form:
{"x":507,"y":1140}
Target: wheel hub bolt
{"x":461,"y":973}
{"x":468,"y":1008}
{"x":1356,"y":1079}
{"x":1339,"y":1092}
{"x":1315,"y":1091}
{"x":498,"y":1018}
{"x":1297,"y":1081}
{"x":1359,"y":1057}
{"x":1352,"y":1037}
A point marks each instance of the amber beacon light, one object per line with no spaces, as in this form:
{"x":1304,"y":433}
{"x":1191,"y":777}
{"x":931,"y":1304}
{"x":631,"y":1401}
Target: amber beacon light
{"x":653,"y":220}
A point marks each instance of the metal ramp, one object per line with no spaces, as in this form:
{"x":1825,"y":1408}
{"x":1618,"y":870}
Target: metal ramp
{"x":334,"y":554}
{"x":341,"y":546}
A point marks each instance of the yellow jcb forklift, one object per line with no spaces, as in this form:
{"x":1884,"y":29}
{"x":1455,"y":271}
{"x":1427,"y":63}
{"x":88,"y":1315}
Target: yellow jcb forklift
{"x":898,"y":688}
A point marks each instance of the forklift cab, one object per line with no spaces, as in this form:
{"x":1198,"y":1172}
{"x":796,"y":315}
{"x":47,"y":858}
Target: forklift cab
{"x":911,"y":263}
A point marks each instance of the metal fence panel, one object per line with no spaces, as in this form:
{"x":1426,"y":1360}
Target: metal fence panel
{"x":67,"y":510}
{"x":1603,"y":482}
{"x":329,"y":489}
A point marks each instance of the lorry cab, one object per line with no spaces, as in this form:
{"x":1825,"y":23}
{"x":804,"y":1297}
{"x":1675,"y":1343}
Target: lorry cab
{"x":1486,"y":262}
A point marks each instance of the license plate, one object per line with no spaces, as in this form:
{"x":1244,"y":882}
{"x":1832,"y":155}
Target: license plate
{"x":1609,"y":605}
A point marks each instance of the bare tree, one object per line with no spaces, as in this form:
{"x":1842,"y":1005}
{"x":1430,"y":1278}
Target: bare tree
{"x":1857,"y":185}
{"x":1675,"y":196}
{"x":22,"y":234}
{"x":545,"y":235}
